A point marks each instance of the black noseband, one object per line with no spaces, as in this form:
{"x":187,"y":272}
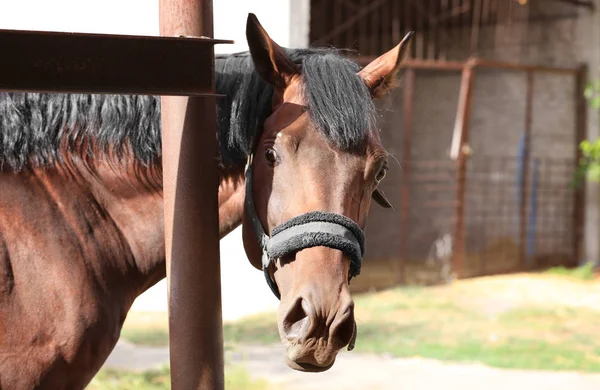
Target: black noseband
{"x":316,"y":228}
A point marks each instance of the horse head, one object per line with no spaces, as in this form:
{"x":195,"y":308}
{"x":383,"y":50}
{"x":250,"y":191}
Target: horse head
{"x":315,"y":166}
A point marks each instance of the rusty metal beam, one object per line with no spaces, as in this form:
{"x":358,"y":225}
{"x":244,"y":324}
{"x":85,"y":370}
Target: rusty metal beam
{"x":473,"y":62}
{"x":492,"y":64}
{"x":418,"y":64}
{"x":38,"y":61}
{"x":191,"y":215}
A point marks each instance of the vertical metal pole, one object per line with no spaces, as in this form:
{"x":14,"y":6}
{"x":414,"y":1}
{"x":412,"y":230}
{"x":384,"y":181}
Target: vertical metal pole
{"x":433,"y":33}
{"x":486,"y":168}
{"x":523,"y":195}
{"x":444,"y":32}
{"x":409,"y":92}
{"x":476,"y":24}
{"x":461,"y":131}
{"x":337,"y":20}
{"x":190,"y":183}
{"x":580,"y":135}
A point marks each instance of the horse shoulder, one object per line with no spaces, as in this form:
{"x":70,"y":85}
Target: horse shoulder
{"x":57,"y":325}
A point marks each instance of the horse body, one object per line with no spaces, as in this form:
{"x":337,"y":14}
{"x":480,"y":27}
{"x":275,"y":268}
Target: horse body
{"x":75,"y":253}
{"x":81,"y":227}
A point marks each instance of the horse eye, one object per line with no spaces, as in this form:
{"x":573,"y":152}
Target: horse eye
{"x":271,"y":156}
{"x":381,"y":175}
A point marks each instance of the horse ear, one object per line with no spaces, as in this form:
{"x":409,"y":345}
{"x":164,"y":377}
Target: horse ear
{"x":380,"y":74}
{"x":270,"y":60}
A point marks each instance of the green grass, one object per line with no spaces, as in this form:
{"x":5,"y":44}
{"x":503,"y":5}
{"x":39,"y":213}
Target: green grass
{"x":153,"y":337}
{"x":109,"y":379}
{"x":458,"y":323}
{"x":236,"y":378}
{"x":430,"y":327}
{"x":584,"y":272}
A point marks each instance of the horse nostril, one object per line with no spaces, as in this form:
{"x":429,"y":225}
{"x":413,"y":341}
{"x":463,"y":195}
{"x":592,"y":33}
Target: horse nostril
{"x":296,"y":321}
{"x":343,"y":330}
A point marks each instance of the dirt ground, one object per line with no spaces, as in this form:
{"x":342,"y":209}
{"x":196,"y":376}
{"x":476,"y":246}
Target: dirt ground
{"x":369,"y":372}
{"x":493,"y":296}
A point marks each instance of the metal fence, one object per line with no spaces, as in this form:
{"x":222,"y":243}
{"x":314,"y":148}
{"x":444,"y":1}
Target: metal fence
{"x":494,"y":194}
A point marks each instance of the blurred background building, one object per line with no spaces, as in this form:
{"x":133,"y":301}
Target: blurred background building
{"x":510,"y":204}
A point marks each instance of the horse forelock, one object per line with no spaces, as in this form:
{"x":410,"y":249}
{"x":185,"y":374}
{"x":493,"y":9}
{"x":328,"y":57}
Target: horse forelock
{"x":338,"y":101}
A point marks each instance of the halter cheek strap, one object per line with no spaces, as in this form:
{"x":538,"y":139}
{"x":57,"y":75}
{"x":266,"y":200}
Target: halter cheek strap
{"x":315,"y":228}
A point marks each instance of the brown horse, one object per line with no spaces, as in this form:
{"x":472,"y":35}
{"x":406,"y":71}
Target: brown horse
{"x":81,"y":233}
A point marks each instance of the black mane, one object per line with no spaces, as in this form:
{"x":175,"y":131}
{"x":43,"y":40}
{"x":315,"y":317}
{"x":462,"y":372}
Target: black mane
{"x":35,"y":128}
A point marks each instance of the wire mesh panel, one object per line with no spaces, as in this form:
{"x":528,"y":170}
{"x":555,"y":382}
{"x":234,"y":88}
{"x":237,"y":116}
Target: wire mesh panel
{"x":519,"y":200}
{"x":430,"y":224}
{"x":413,"y":243}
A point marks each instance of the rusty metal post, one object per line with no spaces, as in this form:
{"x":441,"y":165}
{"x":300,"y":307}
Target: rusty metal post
{"x":191,"y":216}
{"x":525,"y":173}
{"x":460,"y":141}
{"x":407,"y":113}
{"x":580,"y":134}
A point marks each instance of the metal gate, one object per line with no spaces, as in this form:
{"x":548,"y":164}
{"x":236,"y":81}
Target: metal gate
{"x":516,"y":145}
{"x":492,"y":196}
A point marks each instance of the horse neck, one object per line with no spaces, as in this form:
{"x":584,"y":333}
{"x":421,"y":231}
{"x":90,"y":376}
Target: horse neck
{"x":136,"y":207}
{"x":131,"y":197}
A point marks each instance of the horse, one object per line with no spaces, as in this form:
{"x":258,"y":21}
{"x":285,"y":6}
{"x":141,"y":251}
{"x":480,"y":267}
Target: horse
{"x":81,"y":233}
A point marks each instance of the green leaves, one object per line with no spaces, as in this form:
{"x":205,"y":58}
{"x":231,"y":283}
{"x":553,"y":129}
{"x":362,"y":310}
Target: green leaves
{"x":592,"y":93}
{"x":589,"y":164}
{"x":590,"y":159}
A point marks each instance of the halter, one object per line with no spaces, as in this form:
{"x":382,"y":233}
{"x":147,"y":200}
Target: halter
{"x":315,"y":228}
